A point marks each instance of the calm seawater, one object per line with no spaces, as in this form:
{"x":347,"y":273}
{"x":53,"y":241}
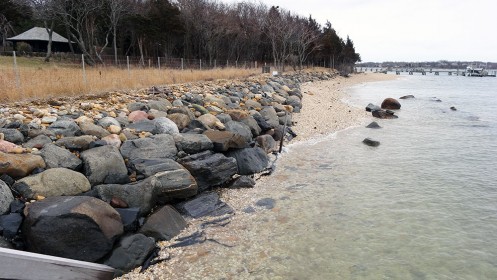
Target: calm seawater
{"x":422,"y":205}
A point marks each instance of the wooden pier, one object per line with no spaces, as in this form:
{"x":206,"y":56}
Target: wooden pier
{"x":423,"y":71}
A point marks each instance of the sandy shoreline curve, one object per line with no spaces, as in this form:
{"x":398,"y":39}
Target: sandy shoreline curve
{"x":323,"y":112}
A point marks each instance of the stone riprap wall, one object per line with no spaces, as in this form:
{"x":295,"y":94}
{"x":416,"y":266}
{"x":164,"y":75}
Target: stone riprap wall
{"x":102,"y":178}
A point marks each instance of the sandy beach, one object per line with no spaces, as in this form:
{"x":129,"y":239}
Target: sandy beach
{"x":229,"y":249}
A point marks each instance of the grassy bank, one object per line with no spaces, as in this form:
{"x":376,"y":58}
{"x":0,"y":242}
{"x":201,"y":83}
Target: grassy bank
{"x":36,"y":79}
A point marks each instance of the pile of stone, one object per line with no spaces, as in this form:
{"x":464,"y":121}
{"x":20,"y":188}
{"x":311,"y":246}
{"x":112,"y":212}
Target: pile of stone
{"x":102,"y":178}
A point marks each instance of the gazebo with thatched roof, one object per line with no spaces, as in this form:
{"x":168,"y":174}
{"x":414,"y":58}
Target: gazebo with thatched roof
{"x":37,"y":38}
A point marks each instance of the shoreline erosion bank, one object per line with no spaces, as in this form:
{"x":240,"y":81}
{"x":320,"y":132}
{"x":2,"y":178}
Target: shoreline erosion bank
{"x":323,"y":112}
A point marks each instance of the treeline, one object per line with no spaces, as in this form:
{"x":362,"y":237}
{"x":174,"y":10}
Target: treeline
{"x":194,"y":29}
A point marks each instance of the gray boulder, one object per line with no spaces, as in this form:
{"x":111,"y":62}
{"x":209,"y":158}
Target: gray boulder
{"x":267,"y":143}
{"x":224,"y":140}
{"x":295,"y":102}
{"x":210,"y":169}
{"x":242,"y":182}
{"x":161,"y":104}
{"x":173,"y":184}
{"x":137,"y":195}
{"x":193,"y":143}
{"x":76,"y":143}
{"x":250,"y":160}
{"x":149,"y":167}
{"x":52,"y":182}
{"x":143,"y":126}
{"x":89,"y":128}
{"x":10,"y":224}
{"x":206,"y":204}
{"x":130,"y":252}
{"x":270,"y":116}
{"x":371,"y":107}
{"x":370,"y":142}
{"x":12,"y":135}
{"x":252,"y":124}
{"x":241,"y":129}
{"x":104,"y":165}
{"x":76,"y":227}
{"x":165,"y":126}
{"x":164,"y":224}
{"x":6,"y":197}
{"x":373,"y":125}
{"x":38,"y":142}
{"x":65,"y":128}
{"x":55,"y":156}
{"x":155,"y":147}
{"x":135,"y":106}
{"x":108,"y":121}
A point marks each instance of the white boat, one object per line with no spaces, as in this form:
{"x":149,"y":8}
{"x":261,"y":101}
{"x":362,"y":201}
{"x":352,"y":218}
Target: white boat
{"x":475,"y":72}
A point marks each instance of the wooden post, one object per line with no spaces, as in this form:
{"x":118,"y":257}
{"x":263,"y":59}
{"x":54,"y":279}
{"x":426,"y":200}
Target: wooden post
{"x":284,"y":132}
{"x":84,"y":69}
{"x":16,"y":71}
{"x":227,"y":64}
{"x":182,"y":64}
{"x":236,"y":63}
{"x":158,"y":62}
{"x":214,"y":64}
{"x":127,"y":63}
{"x":201,"y":64}
{"x":255,"y":63}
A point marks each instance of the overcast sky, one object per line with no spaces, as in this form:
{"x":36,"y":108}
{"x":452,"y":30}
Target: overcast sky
{"x":408,"y":30}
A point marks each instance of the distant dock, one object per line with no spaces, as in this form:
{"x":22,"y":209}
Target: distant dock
{"x":423,"y":71}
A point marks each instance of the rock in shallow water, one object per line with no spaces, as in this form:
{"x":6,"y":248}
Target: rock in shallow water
{"x":370,"y":142}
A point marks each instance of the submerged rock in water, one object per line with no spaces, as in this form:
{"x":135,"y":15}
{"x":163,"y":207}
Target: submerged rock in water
{"x":391,"y":104}
{"x":370,"y":142}
{"x":374,"y":125}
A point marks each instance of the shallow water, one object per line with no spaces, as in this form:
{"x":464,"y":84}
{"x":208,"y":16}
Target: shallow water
{"x":422,"y":205}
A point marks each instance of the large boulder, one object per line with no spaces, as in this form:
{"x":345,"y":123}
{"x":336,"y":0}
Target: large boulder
{"x":161,"y":104}
{"x":241,"y":129}
{"x":65,"y":128}
{"x":267,"y":143}
{"x":104,"y":165}
{"x":155,"y":147}
{"x":149,"y":167}
{"x":390,"y":104}
{"x":165,"y":126}
{"x":252,"y":124}
{"x":130,"y":252}
{"x":270,"y":116}
{"x":6,"y":197}
{"x":181,"y":120}
{"x":295,"y":102}
{"x":52,"y":182}
{"x":38,"y":142}
{"x":76,"y":143}
{"x":193,"y":143}
{"x":211,"y":121}
{"x":164,"y":224}
{"x":76,"y":227}
{"x":224,"y":140}
{"x":371,"y":107}
{"x":56,"y":156}
{"x":143,"y":126}
{"x":206,"y":204}
{"x":89,"y":128}
{"x":173,"y":184}
{"x":20,"y":165}
{"x":137,"y":195}
{"x":12,"y":135}
{"x":250,"y":160}
{"x":210,"y":169}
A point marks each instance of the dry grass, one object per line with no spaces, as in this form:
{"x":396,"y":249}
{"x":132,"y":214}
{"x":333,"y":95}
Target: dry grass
{"x":37,"y":82}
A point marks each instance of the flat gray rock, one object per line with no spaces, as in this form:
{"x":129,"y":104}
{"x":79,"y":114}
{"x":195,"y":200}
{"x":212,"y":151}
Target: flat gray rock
{"x":206,"y":204}
{"x":130,"y":252}
{"x":155,"y":147}
{"x":104,"y":165}
{"x":164,"y":224}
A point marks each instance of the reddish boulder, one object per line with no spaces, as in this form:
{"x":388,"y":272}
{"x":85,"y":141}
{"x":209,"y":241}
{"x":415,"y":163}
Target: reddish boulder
{"x":390,"y":104}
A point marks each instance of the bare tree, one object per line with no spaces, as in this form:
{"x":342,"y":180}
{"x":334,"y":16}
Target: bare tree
{"x":117,"y":10}
{"x":280,"y":30}
{"x":44,"y":10}
{"x":306,"y":39}
{"x":5,"y":29}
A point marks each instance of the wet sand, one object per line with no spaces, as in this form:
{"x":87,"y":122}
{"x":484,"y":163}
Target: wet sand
{"x":232,"y":251}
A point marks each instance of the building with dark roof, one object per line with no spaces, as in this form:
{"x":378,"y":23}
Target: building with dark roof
{"x":37,"y":38}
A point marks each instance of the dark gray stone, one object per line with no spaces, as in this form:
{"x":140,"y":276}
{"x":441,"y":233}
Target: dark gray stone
{"x":12,"y":135}
{"x":252,"y":124}
{"x":38,"y":142}
{"x":267,"y":143}
{"x":4,"y":243}
{"x":65,"y":128}
{"x":76,"y":143}
{"x":371,"y":142}
{"x":242,"y":182}
{"x":193,"y":143}
{"x":164,"y":224}
{"x":137,"y":195}
{"x":77,"y":227}
{"x":10,"y":224}
{"x":131,"y":252}
{"x":373,"y":125}
{"x":149,"y":167}
{"x":410,"y":96}
{"x":16,"y":206}
{"x":241,"y":129}
{"x":174,"y":184}
{"x":267,"y":203}
{"x":6,"y":197}
{"x":295,"y":102}
{"x":155,"y":147}
{"x":382,"y":114}
{"x":89,"y":128}
{"x":270,"y":116}
{"x":371,"y":107}
{"x":104,"y":165}
{"x":224,"y":140}
{"x":249,"y":160}
{"x":129,"y":218}
{"x":55,"y":157}
{"x":261,"y":122}
{"x":135,"y":106}
{"x":206,"y":204}
{"x":160,"y":104}
{"x":210,"y":169}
